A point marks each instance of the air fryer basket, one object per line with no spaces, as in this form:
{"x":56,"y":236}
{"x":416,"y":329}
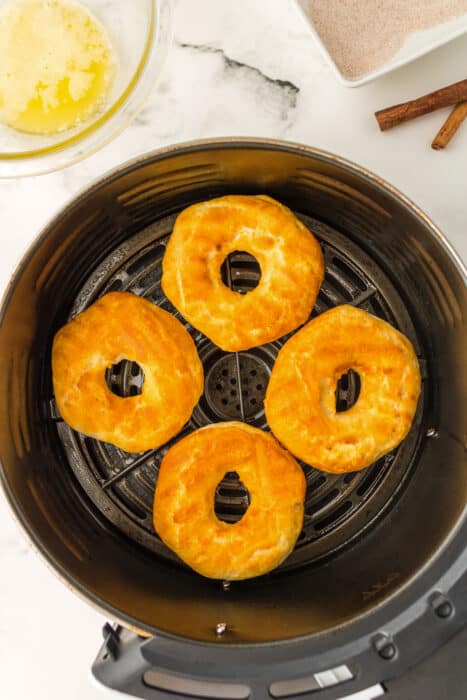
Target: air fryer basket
{"x":374,"y":542}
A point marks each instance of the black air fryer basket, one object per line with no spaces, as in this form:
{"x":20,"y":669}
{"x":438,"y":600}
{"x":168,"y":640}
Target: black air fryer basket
{"x":378,"y":577}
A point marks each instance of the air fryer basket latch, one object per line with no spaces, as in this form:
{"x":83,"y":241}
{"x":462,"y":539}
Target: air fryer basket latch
{"x":111,"y":640}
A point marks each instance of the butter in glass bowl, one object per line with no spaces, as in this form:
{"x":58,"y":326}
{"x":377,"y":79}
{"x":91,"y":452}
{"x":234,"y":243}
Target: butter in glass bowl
{"x":57,"y":64}
{"x":73,"y":75}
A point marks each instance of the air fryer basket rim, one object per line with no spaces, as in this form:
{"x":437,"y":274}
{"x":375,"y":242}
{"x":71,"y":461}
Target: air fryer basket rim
{"x":230,"y":142}
{"x":442,"y":560}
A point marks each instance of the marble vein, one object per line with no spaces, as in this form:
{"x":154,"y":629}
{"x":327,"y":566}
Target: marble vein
{"x":285,"y":88}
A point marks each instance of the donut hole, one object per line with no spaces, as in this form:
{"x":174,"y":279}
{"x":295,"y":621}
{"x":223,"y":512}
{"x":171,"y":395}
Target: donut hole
{"x":241,"y":272}
{"x":231,"y":499}
{"x":125,"y":379}
{"x":347,"y":390}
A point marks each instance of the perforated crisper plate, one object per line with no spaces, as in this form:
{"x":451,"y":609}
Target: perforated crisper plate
{"x":338,"y":507}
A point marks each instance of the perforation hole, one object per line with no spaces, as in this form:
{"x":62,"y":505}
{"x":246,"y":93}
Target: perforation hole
{"x":347,"y":391}
{"x":349,"y":273}
{"x":142,"y":262}
{"x":125,"y":379}
{"x":334,"y":516}
{"x":116,"y":285}
{"x":232,"y":499}
{"x":241,"y":272}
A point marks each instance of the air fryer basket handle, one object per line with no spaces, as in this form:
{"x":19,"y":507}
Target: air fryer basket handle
{"x":126,"y":673}
{"x":159,"y":668}
{"x":134,"y":665}
{"x":431,"y":679}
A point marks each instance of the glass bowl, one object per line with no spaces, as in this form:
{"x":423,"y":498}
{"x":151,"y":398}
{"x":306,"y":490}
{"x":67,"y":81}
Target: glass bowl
{"x":141,"y":34}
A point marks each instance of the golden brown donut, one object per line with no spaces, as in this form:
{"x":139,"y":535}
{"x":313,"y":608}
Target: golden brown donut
{"x":184,"y":514}
{"x":290,"y":258}
{"x":300,"y":399}
{"x":121,"y":326}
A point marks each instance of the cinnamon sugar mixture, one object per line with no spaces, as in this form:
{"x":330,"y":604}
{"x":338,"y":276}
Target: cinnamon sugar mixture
{"x":362,"y":35}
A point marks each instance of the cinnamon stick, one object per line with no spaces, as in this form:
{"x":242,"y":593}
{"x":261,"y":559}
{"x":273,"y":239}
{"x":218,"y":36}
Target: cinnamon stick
{"x":450,"y":126}
{"x":397,"y":114}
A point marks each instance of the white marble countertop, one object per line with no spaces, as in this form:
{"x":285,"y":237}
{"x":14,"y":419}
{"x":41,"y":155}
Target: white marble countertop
{"x":237,"y":68}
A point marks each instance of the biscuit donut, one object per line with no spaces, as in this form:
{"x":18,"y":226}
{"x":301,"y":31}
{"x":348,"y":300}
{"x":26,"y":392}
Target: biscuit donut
{"x":290,"y":258}
{"x":184,"y":514}
{"x":300,"y":401}
{"x":121,"y":326}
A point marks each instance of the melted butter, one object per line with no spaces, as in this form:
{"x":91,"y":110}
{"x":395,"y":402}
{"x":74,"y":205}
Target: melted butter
{"x":56,"y":65}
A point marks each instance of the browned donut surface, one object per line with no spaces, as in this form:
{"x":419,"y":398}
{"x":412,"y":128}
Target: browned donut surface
{"x":290,"y":258}
{"x":184,"y":514}
{"x":121,"y":326}
{"x":300,"y":400}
